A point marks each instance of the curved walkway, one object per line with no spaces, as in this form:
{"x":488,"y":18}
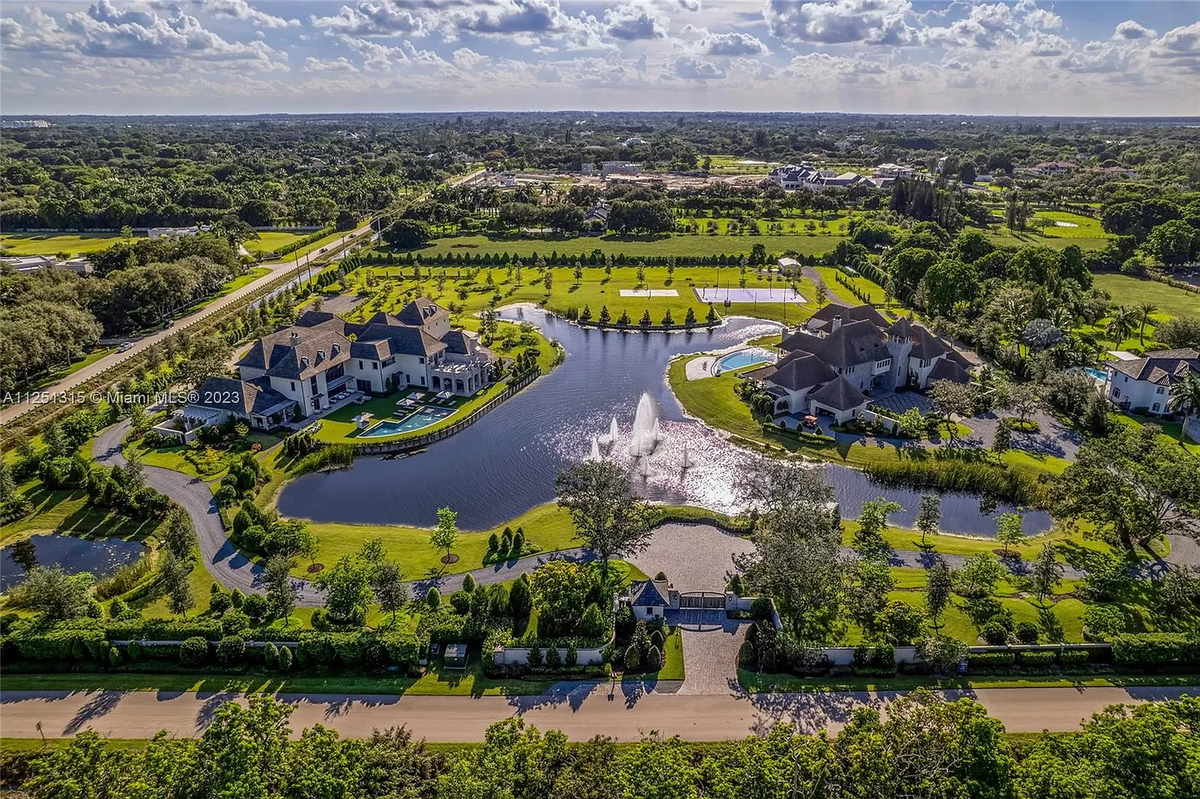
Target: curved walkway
{"x":815,"y":276}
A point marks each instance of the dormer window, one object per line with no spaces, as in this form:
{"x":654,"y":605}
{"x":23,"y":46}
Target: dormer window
{"x":337,"y":348}
{"x":304,"y":363}
{"x":320,"y":355}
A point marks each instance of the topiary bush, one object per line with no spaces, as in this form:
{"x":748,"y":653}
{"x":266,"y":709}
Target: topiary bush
{"x":572,"y":655}
{"x":633,"y":658}
{"x":1073,"y":658}
{"x":461,"y":602}
{"x":994,"y":633}
{"x":218,"y":603}
{"x":1037,"y":659}
{"x":231,"y":650}
{"x":553,"y":659}
{"x":468,"y":583}
{"x":746,"y":655}
{"x":1027,"y":632}
{"x":654,"y":659}
{"x":285,"y":659}
{"x":193,"y":652}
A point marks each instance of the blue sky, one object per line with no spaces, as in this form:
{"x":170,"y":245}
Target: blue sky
{"x":889,"y":56}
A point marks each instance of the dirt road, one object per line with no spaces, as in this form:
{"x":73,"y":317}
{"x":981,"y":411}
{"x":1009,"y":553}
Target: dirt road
{"x":580,"y":711}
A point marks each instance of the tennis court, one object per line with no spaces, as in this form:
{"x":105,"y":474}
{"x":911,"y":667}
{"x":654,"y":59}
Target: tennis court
{"x":733,"y":294}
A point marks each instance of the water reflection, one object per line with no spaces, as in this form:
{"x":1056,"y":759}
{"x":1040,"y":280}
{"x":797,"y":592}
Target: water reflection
{"x":100,"y":556}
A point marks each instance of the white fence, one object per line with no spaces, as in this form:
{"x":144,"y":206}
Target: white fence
{"x":517,"y":655}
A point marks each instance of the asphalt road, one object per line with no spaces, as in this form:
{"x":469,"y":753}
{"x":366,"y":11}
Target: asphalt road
{"x":581,"y":711}
{"x":80,"y":377}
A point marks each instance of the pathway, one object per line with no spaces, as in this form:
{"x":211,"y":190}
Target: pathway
{"x":579,"y":711}
{"x":818,"y":281}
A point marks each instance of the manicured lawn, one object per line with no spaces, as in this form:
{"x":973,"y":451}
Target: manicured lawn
{"x":678,"y":244}
{"x":547,"y":528}
{"x":830,"y":275}
{"x":1170,"y":430}
{"x":595,"y":291}
{"x":52,"y":243}
{"x":252,"y":274}
{"x":270,"y":241}
{"x":1128,"y":290}
{"x":944,"y":543}
{"x":69,"y":512}
{"x":723,"y":164}
{"x":216,"y":460}
{"x":673,"y":667}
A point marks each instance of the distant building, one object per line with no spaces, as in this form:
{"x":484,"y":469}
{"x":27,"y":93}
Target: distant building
{"x":619,"y":168}
{"x":172,"y":232}
{"x":805,"y":176}
{"x":24,"y":123}
{"x":890,"y":170}
{"x":634,"y":141}
{"x":35,"y":263}
{"x":1050,"y":168}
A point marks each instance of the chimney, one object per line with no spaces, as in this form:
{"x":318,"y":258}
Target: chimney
{"x":295,"y":337}
{"x":836,"y":323}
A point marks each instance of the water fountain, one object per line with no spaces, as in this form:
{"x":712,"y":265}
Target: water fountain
{"x":646,"y":430}
{"x":595,"y":456}
{"x":685,"y":462}
{"x":614,"y":433}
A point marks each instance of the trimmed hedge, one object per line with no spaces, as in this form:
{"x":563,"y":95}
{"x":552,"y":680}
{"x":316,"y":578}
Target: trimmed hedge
{"x":1156,"y":649}
{"x":1073,"y":657}
{"x":990,"y":660}
{"x":359,"y":649}
{"x":1039,"y":658}
{"x":63,"y":644}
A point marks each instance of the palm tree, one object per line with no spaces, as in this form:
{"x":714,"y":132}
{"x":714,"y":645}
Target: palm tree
{"x":1144,"y":310}
{"x":1122,"y":324}
{"x":1185,"y":398}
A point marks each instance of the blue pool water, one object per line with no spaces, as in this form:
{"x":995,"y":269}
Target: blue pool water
{"x":1099,"y":374}
{"x":422,"y":417}
{"x":742,"y":358}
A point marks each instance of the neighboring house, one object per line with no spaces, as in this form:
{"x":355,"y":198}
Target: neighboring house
{"x":840,"y":355}
{"x":35,"y":263}
{"x":634,"y":141}
{"x":805,"y":176}
{"x":323,"y":355}
{"x":598,"y":213}
{"x":1144,"y":384}
{"x":890,"y":170}
{"x":789,"y":266}
{"x":1047,"y":168}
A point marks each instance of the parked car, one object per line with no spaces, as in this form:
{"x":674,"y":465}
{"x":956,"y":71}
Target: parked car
{"x":126,"y":346}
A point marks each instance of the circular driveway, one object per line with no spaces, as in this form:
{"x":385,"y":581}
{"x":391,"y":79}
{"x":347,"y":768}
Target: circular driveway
{"x":695,"y":557}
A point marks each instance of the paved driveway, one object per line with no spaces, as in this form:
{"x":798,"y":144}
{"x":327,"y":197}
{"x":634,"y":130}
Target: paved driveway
{"x":710,"y":650}
{"x":695,"y":557}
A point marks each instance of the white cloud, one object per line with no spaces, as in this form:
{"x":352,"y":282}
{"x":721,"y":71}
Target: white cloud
{"x":841,"y":21}
{"x":1131,"y":30}
{"x":733,"y":44}
{"x":635,"y":22}
{"x":241,"y":9}
{"x":1041,"y":18}
{"x":986,"y":27}
{"x":371,"y":18}
{"x":690,"y":68}
{"x":339,"y":64}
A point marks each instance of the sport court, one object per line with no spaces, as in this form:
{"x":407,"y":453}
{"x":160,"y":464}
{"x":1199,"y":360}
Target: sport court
{"x":750,"y":295}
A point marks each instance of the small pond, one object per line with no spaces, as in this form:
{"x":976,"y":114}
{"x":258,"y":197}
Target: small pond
{"x":505,"y":464}
{"x":100,"y":556}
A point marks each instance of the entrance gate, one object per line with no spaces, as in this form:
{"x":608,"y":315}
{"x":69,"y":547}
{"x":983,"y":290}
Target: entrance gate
{"x":701,"y":600}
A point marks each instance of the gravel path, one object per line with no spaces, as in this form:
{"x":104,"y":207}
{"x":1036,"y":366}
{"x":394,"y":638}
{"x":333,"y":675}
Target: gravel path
{"x":815,"y":277}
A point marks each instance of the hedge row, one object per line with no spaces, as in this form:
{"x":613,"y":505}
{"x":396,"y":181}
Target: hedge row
{"x":1156,"y":649}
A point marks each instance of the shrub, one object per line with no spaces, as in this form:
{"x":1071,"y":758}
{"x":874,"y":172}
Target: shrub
{"x":1103,"y":622}
{"x":468,"y":583}
{"x":117,"y":608}
{"x":660,"y":577}
{"x":320,"y":621}
{"x":271,"y":656}
{"x":553,"y":658}
{"x":237,"y":598}
{"x":219,"y":602}
{"x":994,"y":633}
{"x":1154,"y":649}
{"x":1039,"y":659}
{"x":231,"y":650}
{"x":461,"y":602}
{"x":625,"y":622}
{"x":592,"y":623}
{"x":654,"y":659}
{"x":520,"y":599}
{"x":235,"y":622}
{"x":746,"y":655}
{"x":633,"y":658}
{"x":193,"y":651}
{"x":572,"y":655}
{"x":1004,"y":618}
{"x":1027,"y":632}
{"x":285,"y":659}
{"x":134,"y":650}
{"x":982,"y":661}
{"x":256,"y":607}
{"x":534,"y":658}
{"x":433,"y":598}
{"x":114,"y":656}
{"x":1073,"y":657}
{"x":760,"y":608}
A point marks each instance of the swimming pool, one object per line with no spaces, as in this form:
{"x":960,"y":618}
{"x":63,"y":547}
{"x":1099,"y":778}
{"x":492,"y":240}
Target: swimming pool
{"x":422,"y":417}
{"x":1099,"y":374}
{"x":740,"y":359}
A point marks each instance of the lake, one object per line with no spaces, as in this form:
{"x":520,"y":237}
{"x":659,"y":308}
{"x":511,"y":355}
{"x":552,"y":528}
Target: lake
{"x":505,"y":464}
{"x":100,"y":556}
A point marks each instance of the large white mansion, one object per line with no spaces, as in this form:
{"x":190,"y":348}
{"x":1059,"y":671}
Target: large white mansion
{"x":295,"y":372}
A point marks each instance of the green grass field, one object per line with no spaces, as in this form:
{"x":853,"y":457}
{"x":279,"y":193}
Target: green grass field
{"x":726,"y":164}
{"x":270,"y":241}
{"x":595,"y":290}
{"x":69,"y":512}
{"x":52,"y":243}
{"x":1128,"y":290}
{"x":679,"y":245}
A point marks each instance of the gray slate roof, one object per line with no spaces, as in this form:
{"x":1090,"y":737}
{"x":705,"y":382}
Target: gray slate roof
{"x":1161,"y":367}
{"x":648,"y":593}
{"x":839,"y":394}
{"x":239,"y":396}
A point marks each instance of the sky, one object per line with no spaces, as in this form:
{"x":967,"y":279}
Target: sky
{"x":1029,"y":57}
